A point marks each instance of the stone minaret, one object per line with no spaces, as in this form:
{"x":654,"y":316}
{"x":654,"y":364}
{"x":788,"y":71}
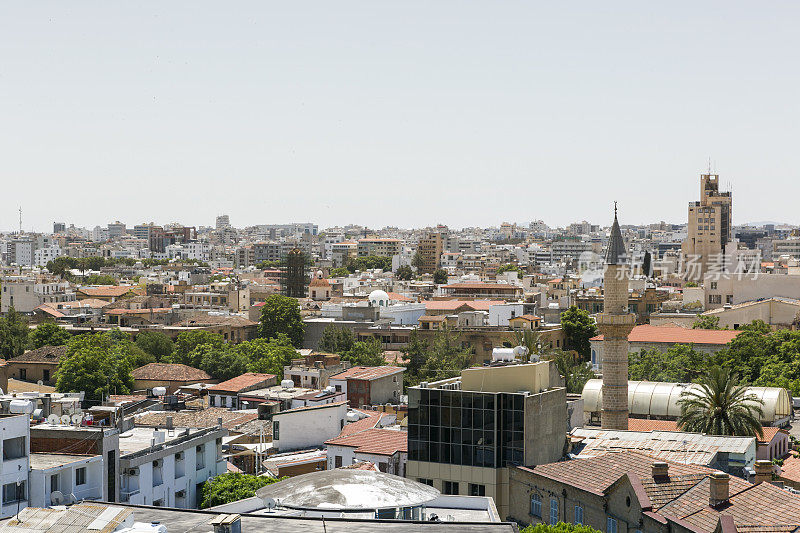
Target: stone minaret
{"x":615,"y":323}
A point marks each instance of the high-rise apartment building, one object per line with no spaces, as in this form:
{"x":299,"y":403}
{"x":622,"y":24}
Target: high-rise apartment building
{"x":116,"y":230}
{"x":430,"y":251}
{"x":465,"y":433}
{"x":223,"y":222}
{"x":709,"y":229}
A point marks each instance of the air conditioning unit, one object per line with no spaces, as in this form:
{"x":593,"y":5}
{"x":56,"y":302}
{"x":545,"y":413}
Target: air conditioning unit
{"x":179,"y":456}
{"x":158,"y":463}
{"x":131,"y":472}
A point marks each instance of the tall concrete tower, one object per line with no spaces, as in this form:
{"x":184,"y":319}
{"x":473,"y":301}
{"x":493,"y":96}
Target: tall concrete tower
{"x":615,"y":323}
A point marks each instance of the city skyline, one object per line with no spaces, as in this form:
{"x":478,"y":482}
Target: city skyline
{"x":368,"y":114}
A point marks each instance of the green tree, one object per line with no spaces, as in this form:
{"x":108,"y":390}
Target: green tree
{"x":647,"y":265}
{"x":706,"y":322}
{"x":96,"y":364}
{"x":231,"y":487}
{"x":440,"y":276}
{"x":578,"y":328}
{"x":721,"y":406}
{"x":221,"y":362}
{"x":157,"y":344}
{"x":336,"y":339}
{"x":439,"y":358}
{"x":59,"y":265}
{"x":404,"y":273}
{"x":340,"y":272}
{"x":576,"y":372}
{"x":48,"y":334}
{"x":510,"y":267}
{"x":101,"y":279}
{"x":369,"y":263}
{"x":417,"y":261}
{"x":532,"y":340}
{"x":281,"y":314}
{"x":268,"y":356}
{"x":560,"y":527}
{"x":266,"y":265}
{"x":365,"y":353}
{"x":186,"y":343}
{"x":13,"y":334}
{"x":679,"y":363}
{"x":748,"y":352}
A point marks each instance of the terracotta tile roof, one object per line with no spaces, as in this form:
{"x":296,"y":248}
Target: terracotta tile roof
{"x":375,"y":441}
{"x":319,"y":282}
{"x":105,"y":290}
{"x":748,"y":505}
{"x":371,"y":421}
{"x":368,"y":372}
{"x":197,"y":419}
{"x":45,"y":354}
{"x":362,"y":465}
{"x":434,"y":318}
{"x":169,"y":372}
{"x":45,"y":308}
{"x":597,"y":474}
{"x":210,"y":320}
{"x":125,"y":398}
{"x":123,"y":311}
{"x":641,"y":424}
{"x":791,"y":467}
{"x":452,"y":305}
{"x":482,"y":285}
{"x":240,"y":383}
{"x":769,"y":433}
{"x":528,"y":318}
{"x":396,"y":296}
{"x":93,"y":303}
{"x":670,"y":335}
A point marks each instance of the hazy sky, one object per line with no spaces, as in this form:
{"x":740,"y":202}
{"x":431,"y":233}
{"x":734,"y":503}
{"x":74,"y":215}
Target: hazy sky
{"x":395,"y":113}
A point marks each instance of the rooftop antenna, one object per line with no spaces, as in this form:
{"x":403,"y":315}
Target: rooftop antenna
{"x":709,"y":164}
{"x":20,"y":220}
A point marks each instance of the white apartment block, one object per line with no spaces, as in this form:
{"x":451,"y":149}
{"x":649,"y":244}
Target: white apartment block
{"x":165,"y":467}
{"x":56,"y":478}
{"x":26,"y":294}
{"x":16,"y":433}
{"x":44,"y":255}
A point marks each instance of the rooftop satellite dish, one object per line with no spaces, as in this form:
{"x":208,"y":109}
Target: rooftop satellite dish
{"x":270,"y":503}
{"x":53,"y":420}
{"x":40,"y":382}
{"x":65,"y":419}
{"x":77,"y":419}
{"x":57,"y":498}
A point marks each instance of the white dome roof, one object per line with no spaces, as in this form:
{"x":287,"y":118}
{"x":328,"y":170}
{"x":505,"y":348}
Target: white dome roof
{"x":378,"y":296}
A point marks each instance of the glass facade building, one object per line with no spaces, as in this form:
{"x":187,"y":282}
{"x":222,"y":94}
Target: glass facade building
{"x":483,"y":429}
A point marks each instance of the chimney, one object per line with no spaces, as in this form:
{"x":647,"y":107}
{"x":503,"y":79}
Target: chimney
{"x":660,"y":470}
{"x":718,"y":488}
{"x":763,"y":471}
{"x":169,"y":422}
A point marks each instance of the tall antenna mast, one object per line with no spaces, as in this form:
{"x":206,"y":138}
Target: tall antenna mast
{"x":20,"y":220}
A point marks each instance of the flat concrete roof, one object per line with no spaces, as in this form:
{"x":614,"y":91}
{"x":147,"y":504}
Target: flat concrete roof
{"x":43,"y":461}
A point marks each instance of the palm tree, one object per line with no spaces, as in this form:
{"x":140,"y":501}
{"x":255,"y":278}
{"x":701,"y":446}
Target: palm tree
{"x":721,"y":406}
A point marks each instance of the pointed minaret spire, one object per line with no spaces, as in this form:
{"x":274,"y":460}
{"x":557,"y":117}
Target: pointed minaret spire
{"x":615,"y":253}
{"x":615,"y":323}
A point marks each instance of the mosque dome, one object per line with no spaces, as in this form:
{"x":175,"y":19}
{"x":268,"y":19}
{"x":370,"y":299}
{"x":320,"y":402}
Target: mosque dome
{"x":378,"y":298}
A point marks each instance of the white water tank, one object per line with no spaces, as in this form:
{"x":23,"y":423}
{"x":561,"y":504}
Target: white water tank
{"x":19,"y":407}
{"x":287,"y":384}
{"x":159,"y":391}
{"x":503,"y":354}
